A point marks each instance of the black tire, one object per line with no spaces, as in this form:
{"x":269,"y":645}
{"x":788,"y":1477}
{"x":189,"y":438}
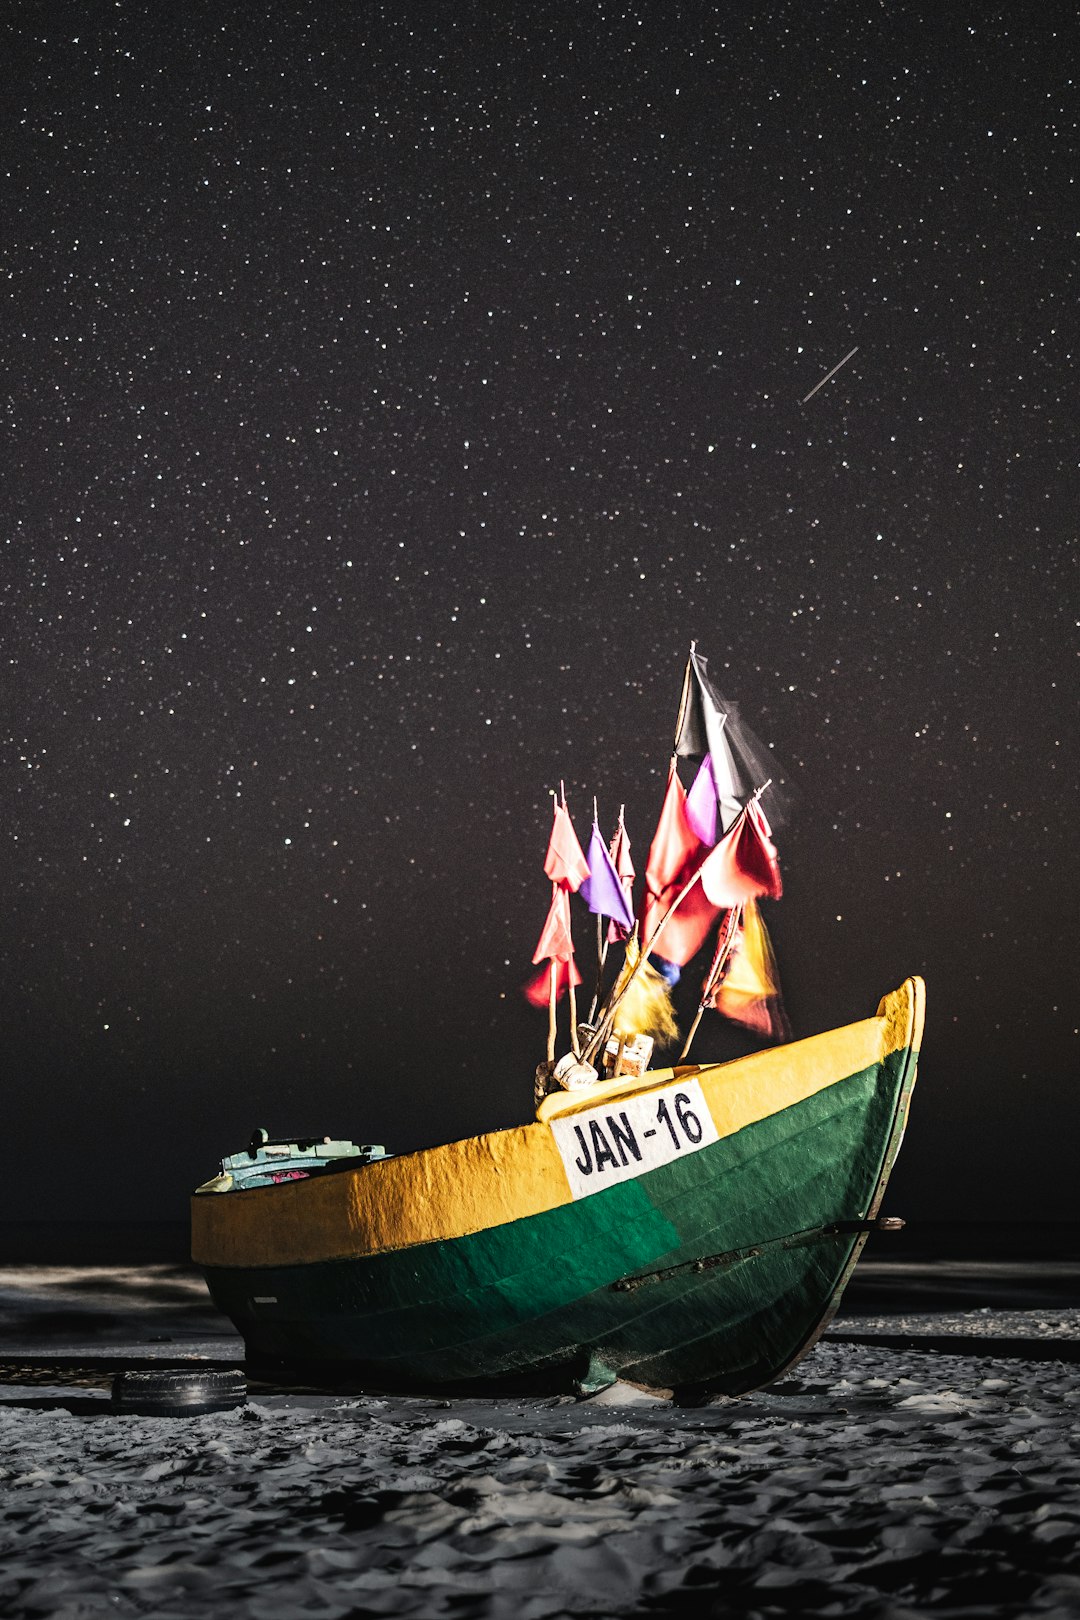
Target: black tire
{"x":172,"y":1393}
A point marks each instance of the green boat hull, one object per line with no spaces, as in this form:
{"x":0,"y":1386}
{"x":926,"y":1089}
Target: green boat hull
{"x":717,"y":1270}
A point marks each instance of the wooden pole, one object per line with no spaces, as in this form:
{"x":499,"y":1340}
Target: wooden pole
{"x":600,"y":949}
{"x":724,"y":944}
{"x":551,"y":1010}
{"x":601,"y":957}
{"x":574,"y":1044}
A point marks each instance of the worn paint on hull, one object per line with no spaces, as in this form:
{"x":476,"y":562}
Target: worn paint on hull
{"x":792,"y":1144}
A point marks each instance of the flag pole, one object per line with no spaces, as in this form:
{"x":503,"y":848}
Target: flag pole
{"x":601,"y":948}
{"x":575,"y":1044}
{"x":684,"y":698}
{"x":552,"y":985}
{"x":725,"y":940}
{"x":601,"y":957}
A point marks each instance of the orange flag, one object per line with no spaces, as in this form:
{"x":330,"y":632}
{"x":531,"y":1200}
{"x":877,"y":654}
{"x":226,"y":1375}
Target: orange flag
{"x":749,"y":992}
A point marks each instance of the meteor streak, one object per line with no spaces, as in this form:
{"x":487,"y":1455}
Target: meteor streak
{"x":832,"y":373}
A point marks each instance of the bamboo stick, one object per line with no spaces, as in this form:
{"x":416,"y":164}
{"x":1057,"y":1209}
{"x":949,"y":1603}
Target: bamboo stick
{"x":551,"y":1011}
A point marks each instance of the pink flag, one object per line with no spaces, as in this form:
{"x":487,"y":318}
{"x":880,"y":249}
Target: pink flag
{"x":556,"y":941}
{"x":565,"y":861}
{"x":676,"y":847}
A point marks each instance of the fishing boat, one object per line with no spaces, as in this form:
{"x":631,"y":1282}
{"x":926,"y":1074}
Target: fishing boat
{"x":689,"y":1227}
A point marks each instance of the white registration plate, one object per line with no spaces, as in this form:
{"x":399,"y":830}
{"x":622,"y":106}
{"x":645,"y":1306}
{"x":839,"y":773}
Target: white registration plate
{"x":631,"y":1135}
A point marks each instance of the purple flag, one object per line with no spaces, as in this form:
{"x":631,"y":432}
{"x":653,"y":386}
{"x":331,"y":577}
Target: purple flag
{"x":602,"y":891}
{"x":701,"y":802}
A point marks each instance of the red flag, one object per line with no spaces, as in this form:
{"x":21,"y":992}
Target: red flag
{"x":620,"y":854}
{"x":538,"y":988}
{"x":565,"y":861}
{"x":765,"y":851}
{"x":744,"y":863}
{"x":674,"y":856}
{"x":624,"y":866}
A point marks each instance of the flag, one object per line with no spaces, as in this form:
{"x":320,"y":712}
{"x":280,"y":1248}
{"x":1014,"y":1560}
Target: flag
{"x":701,"y":803}
{"x":728,"y":781}
{"x":676,"y":847}
{"x":644,"y":1001}
{"x":602,"y":891}
{"x":674,"y":856}
{"x":537,"y":990}
{"x":620,"y":853}
{"x":700,"y":727}
{"x":741,"y":763}
{"x":556,"y":942}
{"x":670,"y":972}
{"x":686,"y":930}
{"x":565,"y":862}
{"x":555,"y":948}
{"x":624,"y":866}
{"x":749,"y":992}
{"x":701,"y":732}
{"x":744,"y":863}
{"x":765,"y":850}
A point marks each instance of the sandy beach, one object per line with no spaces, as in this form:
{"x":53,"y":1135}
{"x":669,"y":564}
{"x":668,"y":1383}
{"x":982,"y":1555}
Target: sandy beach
{"x":886,"y":1477}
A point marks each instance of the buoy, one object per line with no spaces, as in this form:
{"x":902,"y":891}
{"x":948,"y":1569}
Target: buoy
{"x":175,"y":1393}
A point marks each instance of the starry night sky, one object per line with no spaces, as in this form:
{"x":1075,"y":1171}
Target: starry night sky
{"x":391,"y":392}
